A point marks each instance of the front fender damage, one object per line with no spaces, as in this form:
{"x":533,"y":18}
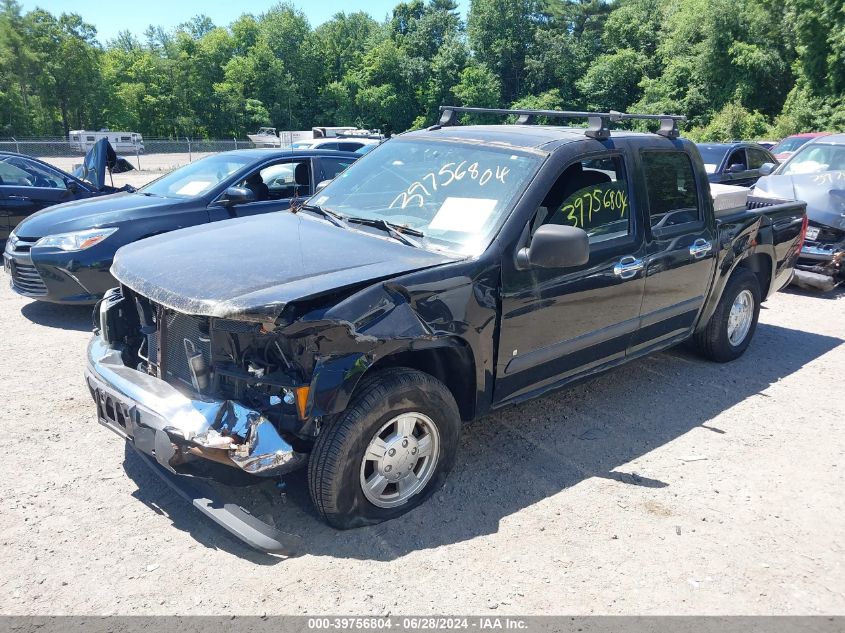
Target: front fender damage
{"x":343,"y":342}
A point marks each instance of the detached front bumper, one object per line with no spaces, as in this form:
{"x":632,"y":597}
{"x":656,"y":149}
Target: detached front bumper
{"x":166,"y":424}
{"x":165,"y":427}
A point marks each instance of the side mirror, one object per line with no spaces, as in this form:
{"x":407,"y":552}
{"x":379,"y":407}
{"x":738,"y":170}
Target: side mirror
{"x":71,"y":186}
{"x":555,"y":246}
{"x":736,"y":168}
{"x":767,"y":168}
{"x":322,"y":185}
{"x":237,"y":195}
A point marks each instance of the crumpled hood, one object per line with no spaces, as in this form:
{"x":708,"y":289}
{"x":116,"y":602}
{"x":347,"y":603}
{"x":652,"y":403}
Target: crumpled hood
{"x":251,"y":268}
{"x":823,"y":192}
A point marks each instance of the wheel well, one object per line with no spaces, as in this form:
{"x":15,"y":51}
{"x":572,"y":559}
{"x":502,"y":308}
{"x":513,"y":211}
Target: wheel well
{"x":453,"y":366}
{"x":761,"y":266}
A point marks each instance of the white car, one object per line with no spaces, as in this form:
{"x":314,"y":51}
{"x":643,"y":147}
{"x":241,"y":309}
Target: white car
{"x":342,"y":143}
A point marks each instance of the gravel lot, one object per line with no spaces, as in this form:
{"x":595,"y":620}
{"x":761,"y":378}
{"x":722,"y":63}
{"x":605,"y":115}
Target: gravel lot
{"x":671,"y":485}
{"x":147,"y":162}
{"x":151,"y":166}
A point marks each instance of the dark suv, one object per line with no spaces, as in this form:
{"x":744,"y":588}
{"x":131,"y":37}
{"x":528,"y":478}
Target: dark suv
{"x":740,"y":164}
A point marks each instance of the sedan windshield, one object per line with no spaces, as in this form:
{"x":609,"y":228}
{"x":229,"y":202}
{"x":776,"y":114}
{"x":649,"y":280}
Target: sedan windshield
{"x":198,"y":177}
{"x":815,"y":158}
{"x":790,"y":144}
{"x":712,"y":155}
{"x":455,"y":195}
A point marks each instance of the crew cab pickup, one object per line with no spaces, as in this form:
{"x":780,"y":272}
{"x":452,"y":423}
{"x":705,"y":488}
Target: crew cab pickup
{"x":449,"y":272}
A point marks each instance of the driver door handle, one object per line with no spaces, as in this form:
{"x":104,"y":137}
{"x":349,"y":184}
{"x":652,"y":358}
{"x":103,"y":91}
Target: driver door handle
{"x":628,"y":267}
{"x":700,"y":248}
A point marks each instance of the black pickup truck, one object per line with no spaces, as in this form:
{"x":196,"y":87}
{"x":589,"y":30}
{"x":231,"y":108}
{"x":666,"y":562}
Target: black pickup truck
{"x":449,"y":272}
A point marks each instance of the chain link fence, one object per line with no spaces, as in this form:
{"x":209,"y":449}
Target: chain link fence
{"x":155,"y":154}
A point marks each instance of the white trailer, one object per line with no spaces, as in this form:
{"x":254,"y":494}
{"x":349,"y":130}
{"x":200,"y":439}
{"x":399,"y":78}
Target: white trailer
{"x":83,"y":140}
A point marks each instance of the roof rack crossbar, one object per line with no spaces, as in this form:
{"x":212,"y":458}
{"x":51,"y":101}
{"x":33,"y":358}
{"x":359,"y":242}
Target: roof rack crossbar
{"x":598,"y":122}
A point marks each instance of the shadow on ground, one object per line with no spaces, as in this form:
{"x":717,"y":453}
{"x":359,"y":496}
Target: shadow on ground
{"x":523,"y":454}
{"x":56,"y":315}
{"x":836,"y":293}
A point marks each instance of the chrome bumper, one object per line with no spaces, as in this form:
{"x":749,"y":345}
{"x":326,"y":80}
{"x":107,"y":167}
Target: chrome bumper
{"x":820,"y":253}
{"x":166,"y":424}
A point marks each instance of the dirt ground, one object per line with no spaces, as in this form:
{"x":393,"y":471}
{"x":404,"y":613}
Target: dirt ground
{"x":669,"y":486}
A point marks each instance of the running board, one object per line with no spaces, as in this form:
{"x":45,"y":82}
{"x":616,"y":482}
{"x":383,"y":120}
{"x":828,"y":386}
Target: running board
{"x":231,"y":517}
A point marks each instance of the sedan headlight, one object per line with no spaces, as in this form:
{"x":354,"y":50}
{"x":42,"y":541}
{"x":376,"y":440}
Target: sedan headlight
{"x":76,"y":241}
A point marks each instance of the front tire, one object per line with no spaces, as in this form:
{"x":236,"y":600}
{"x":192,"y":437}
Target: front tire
{"x":388,"y":452}
{"x":731,"y":328}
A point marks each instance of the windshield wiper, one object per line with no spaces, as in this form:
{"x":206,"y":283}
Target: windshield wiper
{"x":396,"y":231}
{"x":331,"y":216}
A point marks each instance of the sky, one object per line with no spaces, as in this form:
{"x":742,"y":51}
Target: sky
{"x":112,"y":17}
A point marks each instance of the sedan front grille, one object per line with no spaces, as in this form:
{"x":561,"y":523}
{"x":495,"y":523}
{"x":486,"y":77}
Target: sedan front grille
{"x":21,"y":245}
{"x":27,"y":280}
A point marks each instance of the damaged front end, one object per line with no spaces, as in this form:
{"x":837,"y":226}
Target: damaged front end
{"x":183,"y":388}
{"x":821,"y":265}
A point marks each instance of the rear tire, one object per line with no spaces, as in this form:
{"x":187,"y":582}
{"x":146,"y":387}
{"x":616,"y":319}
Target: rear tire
{"x":405,"y":411}
{"x":731,"y":328}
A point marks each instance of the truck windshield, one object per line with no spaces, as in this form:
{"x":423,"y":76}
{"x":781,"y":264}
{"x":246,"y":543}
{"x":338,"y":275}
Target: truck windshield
{"x":816,"y":158}
{"x":197,"y":178}
{"x":456,"y":195}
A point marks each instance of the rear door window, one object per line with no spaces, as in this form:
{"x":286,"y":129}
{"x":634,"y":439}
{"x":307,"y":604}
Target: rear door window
{"x":671,"y":189}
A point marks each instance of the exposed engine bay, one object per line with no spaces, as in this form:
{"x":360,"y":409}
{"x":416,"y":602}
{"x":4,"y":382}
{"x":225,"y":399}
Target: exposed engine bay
{"x":238,"y":367}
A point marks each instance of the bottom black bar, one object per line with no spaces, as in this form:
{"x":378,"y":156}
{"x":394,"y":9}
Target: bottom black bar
{"x":399,"y":623}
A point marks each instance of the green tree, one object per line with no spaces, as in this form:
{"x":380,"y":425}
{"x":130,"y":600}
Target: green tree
{"x":480,"y":88}
{"x":500,"y":35}
{"x":612,"y":81}
{"x":67,"y":54}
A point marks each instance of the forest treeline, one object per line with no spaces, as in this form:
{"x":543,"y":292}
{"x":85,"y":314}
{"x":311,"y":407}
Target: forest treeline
{"x":736,"y":68}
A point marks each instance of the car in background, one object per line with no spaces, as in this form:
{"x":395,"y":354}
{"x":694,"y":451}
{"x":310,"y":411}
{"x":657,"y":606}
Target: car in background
{"x":816,"y":174}
{"x":28,"y":184}
{"x":767,"y":144}
{"x":344,"y":142}
{"x":338,"y":144}
{"x":63,"y":254}
{"x":788,"y":146}
{"x":735,"y":163}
